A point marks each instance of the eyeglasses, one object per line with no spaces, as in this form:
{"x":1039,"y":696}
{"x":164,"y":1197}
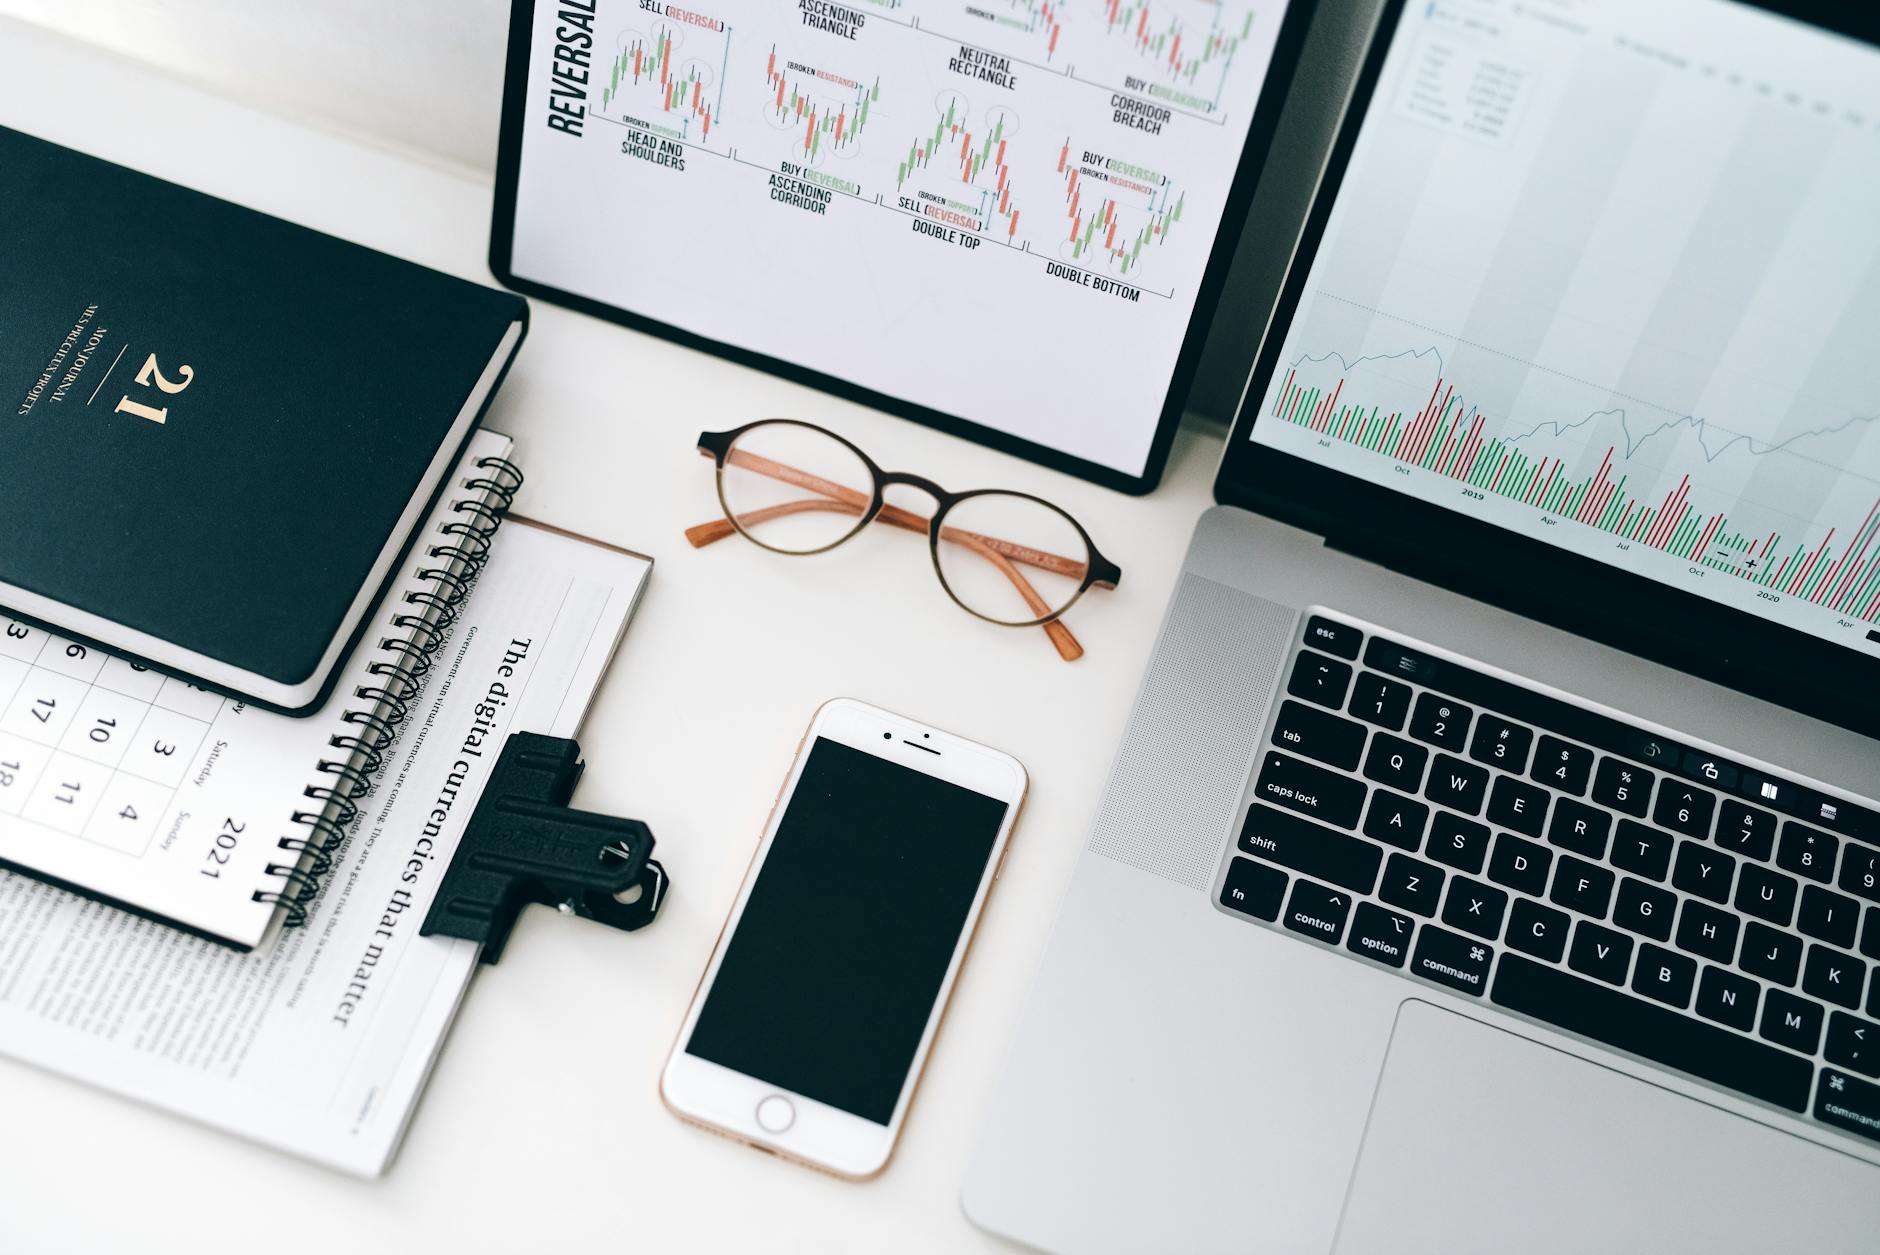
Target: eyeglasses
{"x":795,"y":488}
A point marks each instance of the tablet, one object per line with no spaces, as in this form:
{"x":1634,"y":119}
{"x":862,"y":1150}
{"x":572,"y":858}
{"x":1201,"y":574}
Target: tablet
{"x":1007,"y":218}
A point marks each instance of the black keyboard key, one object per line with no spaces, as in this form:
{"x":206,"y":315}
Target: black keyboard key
{"x":1860,"y":871}
{"x":1765,"y":894}
{"x":1253,"y":889}
{"x":1317,"y":912}
{"x":1458,"y":785}
{"x":1561,"y":766}
{"x":1396,"y":820}
{"x":1873,"y":999}
{"x":1396,"y":762}
{"x":1853,"y":1043}
{"x":1833,"y":976}
{"x":1847,"y":1102}
{"x":1807,"y":852}
{"x":1319,"y":679}
{"x":1828,"y":916}
{"x":1452,"y":960}
{"x":1600,"y":952}
{"x":1707,"y":932}
{"x":1579,"y":828}
{"x":1377,"y":700}
{"x":1870,"y":933}
{"x":1514,"y":702}
{"x":1521,"y":865}
{"x":1728,"y":998}
{"x":1684,"y":808}
{"x":1640,"y":849}
{"x":1518,"y":805}
{"x":1745,"y":830}
{"x":1791,"y":1021}
{"x":1461,"y":843}
{"x":1703,"y":871}
{"x":1333,"y":637}
{"x":1538,"y":930}
{"x":1276,"y":837}
{"x":1581,"y":886}
{"x":1622,"y":786}
{"x":1657,"y":1033}
{"x":1380,"y":934}
{"x":1441,"y":722}
{"x":1300,"y":786}
{"x":1772,"y":955}
{"x":1319,"y":734}
{"x":1664,"y":976}
{"x":1500,"y":743}
{"x":1644,"y":909}
{"x":1475,"y":908}
{"x":1411,"y":884}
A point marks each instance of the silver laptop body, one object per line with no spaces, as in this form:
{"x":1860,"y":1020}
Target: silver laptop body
{"x":1258,"y":1025}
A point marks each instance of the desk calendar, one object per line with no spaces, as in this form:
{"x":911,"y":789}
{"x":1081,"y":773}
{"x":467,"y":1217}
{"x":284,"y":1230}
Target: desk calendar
{"x":207,"y":812}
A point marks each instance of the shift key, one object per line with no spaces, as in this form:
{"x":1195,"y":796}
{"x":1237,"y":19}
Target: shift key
{"x":1276,"y":837}
{"x":1299,"y":786}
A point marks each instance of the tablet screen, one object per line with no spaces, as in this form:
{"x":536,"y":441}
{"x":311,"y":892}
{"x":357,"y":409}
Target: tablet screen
{"x":995,"y":211}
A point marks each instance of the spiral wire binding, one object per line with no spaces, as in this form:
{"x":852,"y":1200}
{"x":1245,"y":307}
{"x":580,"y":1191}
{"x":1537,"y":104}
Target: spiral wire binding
{"x":397,"y":682}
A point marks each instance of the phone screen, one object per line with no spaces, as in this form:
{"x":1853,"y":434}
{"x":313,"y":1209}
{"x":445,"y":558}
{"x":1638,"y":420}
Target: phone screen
{"x":829,"y":979}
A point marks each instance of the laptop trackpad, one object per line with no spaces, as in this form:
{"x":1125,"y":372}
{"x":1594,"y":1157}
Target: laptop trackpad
{"x":1481,"y":1140}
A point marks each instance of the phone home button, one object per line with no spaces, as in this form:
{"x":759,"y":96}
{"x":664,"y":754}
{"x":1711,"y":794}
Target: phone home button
{"x":775,"y":1114}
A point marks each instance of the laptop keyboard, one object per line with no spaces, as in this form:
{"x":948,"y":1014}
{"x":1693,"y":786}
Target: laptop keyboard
{"x":1573,"y":867}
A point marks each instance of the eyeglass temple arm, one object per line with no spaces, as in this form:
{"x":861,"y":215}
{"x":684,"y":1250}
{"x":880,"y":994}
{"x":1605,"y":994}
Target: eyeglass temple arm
{"x":1066,"y":643}
{"x":905,"y":519}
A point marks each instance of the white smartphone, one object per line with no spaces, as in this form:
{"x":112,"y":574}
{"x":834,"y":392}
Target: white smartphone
{"x":818,"y":1009}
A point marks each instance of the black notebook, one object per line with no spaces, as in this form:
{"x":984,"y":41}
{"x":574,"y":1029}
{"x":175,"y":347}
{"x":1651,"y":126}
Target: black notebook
{"x":218,"y":430}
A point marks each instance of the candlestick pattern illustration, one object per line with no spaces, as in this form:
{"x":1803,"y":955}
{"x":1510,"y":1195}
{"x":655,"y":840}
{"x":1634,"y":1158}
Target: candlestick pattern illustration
{"x":1042,"y":18}
{"x":1114,"y":211}
{"x":830,"y":110}
{"x":975,"y":177}
{"x":648,"y":65}
{"x":1839,"y":569}
{"x":1180,"y":51}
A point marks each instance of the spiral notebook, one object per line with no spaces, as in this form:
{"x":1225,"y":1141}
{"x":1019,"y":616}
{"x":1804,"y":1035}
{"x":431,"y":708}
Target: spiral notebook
{"x":203,"y":812}
{"x":319,"y":1041}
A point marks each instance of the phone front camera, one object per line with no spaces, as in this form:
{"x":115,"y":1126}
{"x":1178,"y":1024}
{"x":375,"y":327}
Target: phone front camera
{"x":887,"y":736}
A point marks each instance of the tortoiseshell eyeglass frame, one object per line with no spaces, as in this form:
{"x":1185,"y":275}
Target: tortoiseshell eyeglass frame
{"x":1092,"y":571}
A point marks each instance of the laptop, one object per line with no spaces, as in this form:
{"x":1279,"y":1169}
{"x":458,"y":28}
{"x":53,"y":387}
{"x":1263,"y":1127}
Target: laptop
{"x":1492,"y":858}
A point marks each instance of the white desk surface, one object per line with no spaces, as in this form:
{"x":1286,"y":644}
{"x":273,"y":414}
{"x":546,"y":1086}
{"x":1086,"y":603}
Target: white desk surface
{"x":542,"y":1126}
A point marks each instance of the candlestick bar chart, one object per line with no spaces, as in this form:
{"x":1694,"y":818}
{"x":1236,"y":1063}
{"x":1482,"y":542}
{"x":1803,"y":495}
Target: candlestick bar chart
{"x":1838,"y":569}
{"x":1114,"y":211}
{"x":975,"y":172}
{"x":830,"y":109}
{"x":1178,"y":41}
{"x":647,"y":67}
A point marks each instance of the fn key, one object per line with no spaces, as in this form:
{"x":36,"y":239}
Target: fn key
{"x":1253,"y":889}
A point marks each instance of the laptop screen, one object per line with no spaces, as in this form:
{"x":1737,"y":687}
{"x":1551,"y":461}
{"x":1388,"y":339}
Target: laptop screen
{"x":1608,"y":274}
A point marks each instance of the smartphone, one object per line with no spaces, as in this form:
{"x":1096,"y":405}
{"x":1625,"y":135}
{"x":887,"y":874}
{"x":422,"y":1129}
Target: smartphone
{"x":815,"y":1016}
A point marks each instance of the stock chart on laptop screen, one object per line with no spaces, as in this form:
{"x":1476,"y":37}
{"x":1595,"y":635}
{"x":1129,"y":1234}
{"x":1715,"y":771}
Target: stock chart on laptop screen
{"x":1608,"y":275}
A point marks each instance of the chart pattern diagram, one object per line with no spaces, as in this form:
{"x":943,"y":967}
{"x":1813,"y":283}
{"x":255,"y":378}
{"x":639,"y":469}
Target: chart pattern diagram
{"x":827,"y":110}
{"x":1177,"y":50}
{"x":916,"y":107}
{"x":1115,"y":210}
{"x":670,"y":75}
{"x":1785,"y":515}
{"x":959,"y":172}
